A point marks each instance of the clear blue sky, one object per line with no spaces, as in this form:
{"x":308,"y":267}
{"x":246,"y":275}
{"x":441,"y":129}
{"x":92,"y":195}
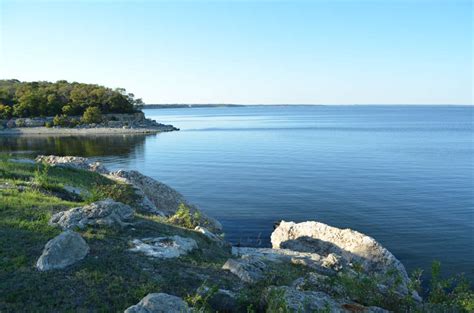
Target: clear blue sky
{"x":321,"y":52}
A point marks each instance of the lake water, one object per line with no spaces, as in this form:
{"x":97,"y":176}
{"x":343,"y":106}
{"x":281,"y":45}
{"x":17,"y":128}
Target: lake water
{"x":402,"y":174}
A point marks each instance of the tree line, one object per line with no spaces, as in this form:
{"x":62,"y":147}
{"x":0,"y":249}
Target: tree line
{"x":62,"y":98}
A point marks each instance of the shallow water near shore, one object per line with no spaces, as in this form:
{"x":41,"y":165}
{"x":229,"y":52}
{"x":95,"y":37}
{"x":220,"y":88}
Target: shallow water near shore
{"x":401,"y":174}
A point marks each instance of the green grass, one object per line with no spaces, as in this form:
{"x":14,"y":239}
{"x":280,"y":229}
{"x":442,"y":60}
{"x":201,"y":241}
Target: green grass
{"x":110,"y":278}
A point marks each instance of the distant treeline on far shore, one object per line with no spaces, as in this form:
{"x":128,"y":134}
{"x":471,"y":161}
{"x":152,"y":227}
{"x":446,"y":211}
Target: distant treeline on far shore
{"x":177,"y":106}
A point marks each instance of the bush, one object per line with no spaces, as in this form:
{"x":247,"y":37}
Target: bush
{"x":184,"y":218}
{"x":92,"y":115}
{"x":5,"y":112}
{"x":61,"y":120}
{"x":451,"y":293}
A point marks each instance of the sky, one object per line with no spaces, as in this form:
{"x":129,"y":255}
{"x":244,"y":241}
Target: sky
{"x":247,"y":52}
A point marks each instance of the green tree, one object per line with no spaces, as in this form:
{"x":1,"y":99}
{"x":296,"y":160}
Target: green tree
{"x":92,"y":115}
{"x":5,"y":112}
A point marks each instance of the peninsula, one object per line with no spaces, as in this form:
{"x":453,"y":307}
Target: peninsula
{"x":71,"y":108}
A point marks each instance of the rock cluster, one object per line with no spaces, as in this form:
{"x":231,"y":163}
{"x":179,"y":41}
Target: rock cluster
{"x":25,"y":122}
{"x":106,"y":212}
{"x":153,"y":196}
{"x":330,"y":256}
{"x":63,"y":250}
{"x":330,"y":253}
{"x":164,"y":247}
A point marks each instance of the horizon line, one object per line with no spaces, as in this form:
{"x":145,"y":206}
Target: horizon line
{"x":312,"y":104}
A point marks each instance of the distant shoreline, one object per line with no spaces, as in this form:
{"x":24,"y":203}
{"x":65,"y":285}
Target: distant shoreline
{"x":190,"y":106}
{"x":38,"y":131}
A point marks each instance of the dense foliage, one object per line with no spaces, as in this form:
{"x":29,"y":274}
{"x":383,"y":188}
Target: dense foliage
{"x":32,"y":99}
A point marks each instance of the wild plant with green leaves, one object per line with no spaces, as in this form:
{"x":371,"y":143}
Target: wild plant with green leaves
{"x":184,"y":218}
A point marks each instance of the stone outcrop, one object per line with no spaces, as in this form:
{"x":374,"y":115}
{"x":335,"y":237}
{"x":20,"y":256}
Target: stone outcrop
{"x":164,"y":247}
{"x":159,"y":303}
{"x":298,"y":301}
{"x":25,"y":122}
{"x":72,"y":162}
{"x":132,"y":121}
{"x":153,"y":196}
{"x":63,"y":250}
{"x":161,"y":199}
{"x":106,"y":212}
{"x":347,"y":246}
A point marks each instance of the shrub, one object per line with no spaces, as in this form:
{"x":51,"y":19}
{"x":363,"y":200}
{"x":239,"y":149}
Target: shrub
{"x":92,"y":115}
{"x":5,"y":112}
{"x":41,"y":180}
{"x":452,"y":293}
{"x":61,"y":120}
{"x":184,"y":218}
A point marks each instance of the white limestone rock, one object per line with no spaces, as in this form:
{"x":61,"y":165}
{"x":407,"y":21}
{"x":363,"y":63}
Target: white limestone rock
{"x":164,"y":247}
{"x":106,"y":212}
{"x":72,"y":162}
{"x":347,"y":246}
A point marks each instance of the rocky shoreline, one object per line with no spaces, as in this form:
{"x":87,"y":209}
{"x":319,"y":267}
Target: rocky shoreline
{"x":135,"y":123}
{"x":334,"y":261}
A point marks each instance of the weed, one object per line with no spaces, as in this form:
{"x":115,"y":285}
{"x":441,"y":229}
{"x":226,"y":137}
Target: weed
{"x":184,"y":218}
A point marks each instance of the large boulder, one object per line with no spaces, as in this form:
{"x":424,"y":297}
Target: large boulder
{"x":63,"y":250}
{"x":160,"y":198}
{"x":164,"y":247}
{"x":106,"y":212}
{"x":72,"y":162}
{"x":350,"y":246}
{"x":159,"y":303}
{"x":287,"y":299}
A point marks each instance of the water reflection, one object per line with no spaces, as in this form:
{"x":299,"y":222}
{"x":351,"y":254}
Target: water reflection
{"x":87,"y":146}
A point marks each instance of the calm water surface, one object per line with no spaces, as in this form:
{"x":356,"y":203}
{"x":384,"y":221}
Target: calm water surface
{"x":404,"y":175}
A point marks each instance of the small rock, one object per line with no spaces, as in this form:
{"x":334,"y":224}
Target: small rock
{"x":106,"y":212}
{"x":164,"y":247}
{"x":208,"y":234}
{"x":333,"y":261}
{"x":159,"y":303}
{"x":63,"y":250}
